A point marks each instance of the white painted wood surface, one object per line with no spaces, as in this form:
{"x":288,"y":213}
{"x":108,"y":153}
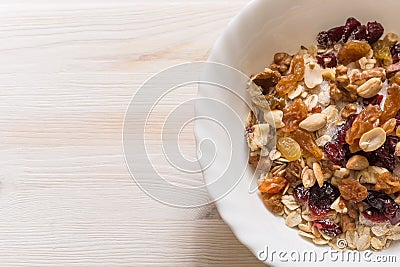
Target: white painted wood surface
{"x":68,"y":70}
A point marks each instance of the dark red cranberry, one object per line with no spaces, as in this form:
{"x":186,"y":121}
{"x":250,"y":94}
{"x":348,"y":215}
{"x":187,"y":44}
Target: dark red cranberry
{"x":317,"y":109}
{"x":330,"y":37}
{"x":396,"y":58}
{"x":327,"y":60}
{"x":374,"y":215}
{"x":359,"y":34}
{"x":335,"y":153}
{"x":351,"y":25}
{"x":321,"y":198}
{"x":395,"y":49}
{"x":384,"y":156}
{"x":328,"y":227}
{"x":374,"y":32}
{"x":384,"y":204}
{"x":341,"y":135}
{"x":397,"y":117}
{"x":301,"y":193}
{"x":375,"y":100}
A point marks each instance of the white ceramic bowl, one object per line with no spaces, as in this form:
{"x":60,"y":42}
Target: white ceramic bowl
{"x":248,"y":44}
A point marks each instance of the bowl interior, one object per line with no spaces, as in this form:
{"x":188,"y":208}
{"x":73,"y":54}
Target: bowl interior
{"x":263,"y":28}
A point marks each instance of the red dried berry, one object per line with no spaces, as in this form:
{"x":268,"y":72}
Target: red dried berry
{"x":328,"y":227}
{"x":374,"y":215}
{"x":328,"y":60}
{"x":374,"y":32}
{"x":351,"y":25}
{"x":321,"y":198}
{"x":330,"y":37}
{"x":359,"y":34}
{"x":301,"y":193}
{"x":335,"y":153}
{"x":384,"y":156}
{"x":375,"y":100}
{"x":384,"y":204}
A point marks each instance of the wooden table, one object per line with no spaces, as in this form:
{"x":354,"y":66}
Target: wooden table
{"x":68,"y":72}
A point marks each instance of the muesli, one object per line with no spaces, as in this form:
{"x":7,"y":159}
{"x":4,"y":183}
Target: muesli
{"x":335,"y":172}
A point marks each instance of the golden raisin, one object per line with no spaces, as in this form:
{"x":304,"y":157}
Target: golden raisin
{"x":392,"y":103}
{"x":365,"y":121}
{"x":289,"y":148}
{"x":382,"y":51}
{"x":389,"y":126}
{"x":388,"y":183}
{"x":307,"y":142}
{"x":298,"y":67}
{"x":352,"y":190}
{"x":286,"y":84}
{"x":273,"y":203}
{"x":272,"y":184}
{"x":293,"y":115}
{"x":353,"y":51}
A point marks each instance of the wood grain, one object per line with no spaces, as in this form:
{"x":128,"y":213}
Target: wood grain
{"x":68,"y":72}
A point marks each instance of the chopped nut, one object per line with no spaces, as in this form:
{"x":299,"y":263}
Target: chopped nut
{"x":321,"y":141}
{"x":339,"y":205}
{"x":266,"y":79}
{"x":311,"y":101}
{"x":274,"y":154}
{"x":393,"y":68}
{"x":329,"y":74}
{"x":274,"y":117}
{"x":257,"y":137}
{"x":296,"y":92}
{"x":318,"y":173}
{"x":312,"y":75}
{"x":372,"y":139}
{"x":348,"y":110}
{"x":253,"y":160}
{"x":370,"y":88}
{"x":308,"y":178}
{"x":342,"y":173}
{"x":332,"y":113}
{"x":357,"y":163}
{"x":314,"y":122}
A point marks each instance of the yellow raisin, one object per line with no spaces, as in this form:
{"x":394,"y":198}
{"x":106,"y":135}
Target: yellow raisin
{"x":293,"y":115}
{"x":307,"y":142}
{"x":289,"y":148}
{"x":365,"y":121}
{"x":353,"y":51}
{"x":392,"y":103}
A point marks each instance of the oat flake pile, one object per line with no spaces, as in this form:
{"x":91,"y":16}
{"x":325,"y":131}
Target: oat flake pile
{"x":335,"y":172}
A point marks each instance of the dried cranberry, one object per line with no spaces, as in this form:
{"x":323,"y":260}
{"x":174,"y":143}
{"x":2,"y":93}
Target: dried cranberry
{"x":384,"y":156}
{"x":341,"y":135}
{"x":397,"y":117}
{"x":396,"y":58}
{"x":359,"y":34}
{"x":317,"y":109}
{"x":321,"y":198}
{"x":328,"y":227}
{"x":327,"y":60}
{"x":374,"y":32}
{"x":330,"y":37}
{"x":384,"y":204}
{"x":338,"y":150}
{"x":335,"y":153}
{"x":395,"y":49}
{"x":301,"y":193}
{"x":375,"y":100}
{"x":351,"y":25}
{"x":374,"y":215}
